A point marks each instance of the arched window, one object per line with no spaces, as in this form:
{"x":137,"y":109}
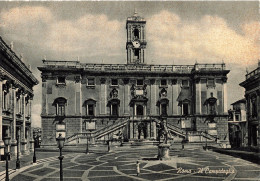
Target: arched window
{"x":114,"y":103}
{"x":137,"y":54}
{"x":211,"y":104}
{"x":136,"y":33}
{"x":163,"y":104}
{"x":90,"y":106}
{"x":60,"y":104}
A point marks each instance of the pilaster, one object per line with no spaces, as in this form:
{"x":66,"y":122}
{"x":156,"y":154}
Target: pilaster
{"x":1,"y":117}
{"x":153,"y":97}
{"x":103,"y":96}
{"x":126,"y":98}
{"x":23,"y":138}
{"x":225,"y":106}
{"x":198,"y":96}
{"x":13,"y":130}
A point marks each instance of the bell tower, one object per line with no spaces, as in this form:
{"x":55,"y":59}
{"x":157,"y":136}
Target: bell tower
{"x":136,"y":43}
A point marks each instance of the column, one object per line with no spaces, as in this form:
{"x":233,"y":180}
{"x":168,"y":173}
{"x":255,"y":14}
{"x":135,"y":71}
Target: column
{"x":13,"y":137}
{"x":148,"y":130}
{"x":143,"y":34}
{"x":153,"y":97}
{"x":78,"y":100}
{"x":154,"y":130}
{"x":134,"y":114}
{"x":31,"y":140}
{"x":198,"y":97}
{"x":23,"y":128}
{"x":225,"y":111}
{"x":126,"y":97}
{"x":131,"y":129}
{"x":103,"y":96}
{"x":135,"y":129}
{"x":44,"y":97}
{"x":1,"y":118}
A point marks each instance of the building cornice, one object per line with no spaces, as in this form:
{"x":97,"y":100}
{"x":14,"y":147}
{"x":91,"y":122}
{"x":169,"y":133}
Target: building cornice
{"x":14,"y":59}
{"x":15,"y":80}
{"x":155,"y":70}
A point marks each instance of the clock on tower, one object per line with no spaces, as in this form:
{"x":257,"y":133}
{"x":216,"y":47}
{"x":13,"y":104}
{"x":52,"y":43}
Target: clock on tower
{"x":135,"y":44}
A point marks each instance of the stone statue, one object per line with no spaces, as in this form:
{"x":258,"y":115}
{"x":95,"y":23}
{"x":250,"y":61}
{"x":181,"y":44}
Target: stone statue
{"x":163,"y":131}
{"x":163,"y":148}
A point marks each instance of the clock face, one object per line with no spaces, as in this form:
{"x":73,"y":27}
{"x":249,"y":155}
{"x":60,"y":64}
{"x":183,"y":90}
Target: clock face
{"x":136,"y":44}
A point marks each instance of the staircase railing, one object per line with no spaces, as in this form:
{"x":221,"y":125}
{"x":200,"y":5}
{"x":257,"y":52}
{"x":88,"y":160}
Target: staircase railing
{"x":110,"y":128}
{"x":206,"y":135}
{"x":176,"y":129}
{"x":98,"y":133}
{"x":184,"y":133}
{"x":79,"y":135}
{"x":173,"y":128}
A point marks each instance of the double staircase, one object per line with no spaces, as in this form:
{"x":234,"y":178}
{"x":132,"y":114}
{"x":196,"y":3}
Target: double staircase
{"x":110,"y":130}
{"x":98,"y":134}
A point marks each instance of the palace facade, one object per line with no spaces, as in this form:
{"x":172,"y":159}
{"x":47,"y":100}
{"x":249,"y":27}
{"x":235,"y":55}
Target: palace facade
{"x":102,"y":100}
{"x":252,"y":95}
{"x":16,"y":94}
{"x":237,"y":124}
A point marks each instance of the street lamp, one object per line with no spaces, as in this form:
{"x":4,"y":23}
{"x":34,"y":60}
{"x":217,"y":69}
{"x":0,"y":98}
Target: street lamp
{"x":7,"y":143}
{"x":87,"y":150}
{"x":34,"y":146}
{"x":17,"y":160}
{"x":206,"y":143}
{"x":206,"y":140}
{"x":60,"y":143}
{"x":108,"y":146}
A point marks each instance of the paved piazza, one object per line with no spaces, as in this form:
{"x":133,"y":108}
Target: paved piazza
{"x":120,"y":164}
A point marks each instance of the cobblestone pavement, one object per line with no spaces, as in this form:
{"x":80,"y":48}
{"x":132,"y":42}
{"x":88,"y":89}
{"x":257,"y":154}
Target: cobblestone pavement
{"x":120,"y":164}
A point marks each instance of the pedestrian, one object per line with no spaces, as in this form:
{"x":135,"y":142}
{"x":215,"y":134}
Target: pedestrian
{"x":137,"y":168}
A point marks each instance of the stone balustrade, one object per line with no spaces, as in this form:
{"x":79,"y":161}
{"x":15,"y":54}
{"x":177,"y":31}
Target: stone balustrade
{"x":133,"y":67}
{"x":253,"y":73}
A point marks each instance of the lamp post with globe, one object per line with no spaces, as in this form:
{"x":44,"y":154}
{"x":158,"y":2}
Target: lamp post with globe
{"x":60,"y":143}
{"x":7,"y":143}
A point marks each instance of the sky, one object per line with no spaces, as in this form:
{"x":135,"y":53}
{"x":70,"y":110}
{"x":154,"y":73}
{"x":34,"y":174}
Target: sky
{"x":178,"y":33}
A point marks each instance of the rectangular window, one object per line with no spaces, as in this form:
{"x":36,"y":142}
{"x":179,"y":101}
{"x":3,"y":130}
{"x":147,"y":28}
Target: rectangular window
{"x":61,"y":80}
{"x":61,"y":110}
{"x":114,"y":110}
{"x":114,"y":82}
{"x":211,"y":83}
{"x":237,"y":117}
{"x":254,"y":108}
{"x":174,"y":81}
{"x":164,"y":109}
{"x":185,"y":109}
{"x":140,"y":82}
{"x":91,"y":81}
{"x":185,"y":83}
{"x":90,"y":110}
{"x":163,"y":82}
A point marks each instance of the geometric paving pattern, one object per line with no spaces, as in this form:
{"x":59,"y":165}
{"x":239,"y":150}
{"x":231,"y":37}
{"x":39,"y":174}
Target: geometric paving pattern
{"x":191,"y":164}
